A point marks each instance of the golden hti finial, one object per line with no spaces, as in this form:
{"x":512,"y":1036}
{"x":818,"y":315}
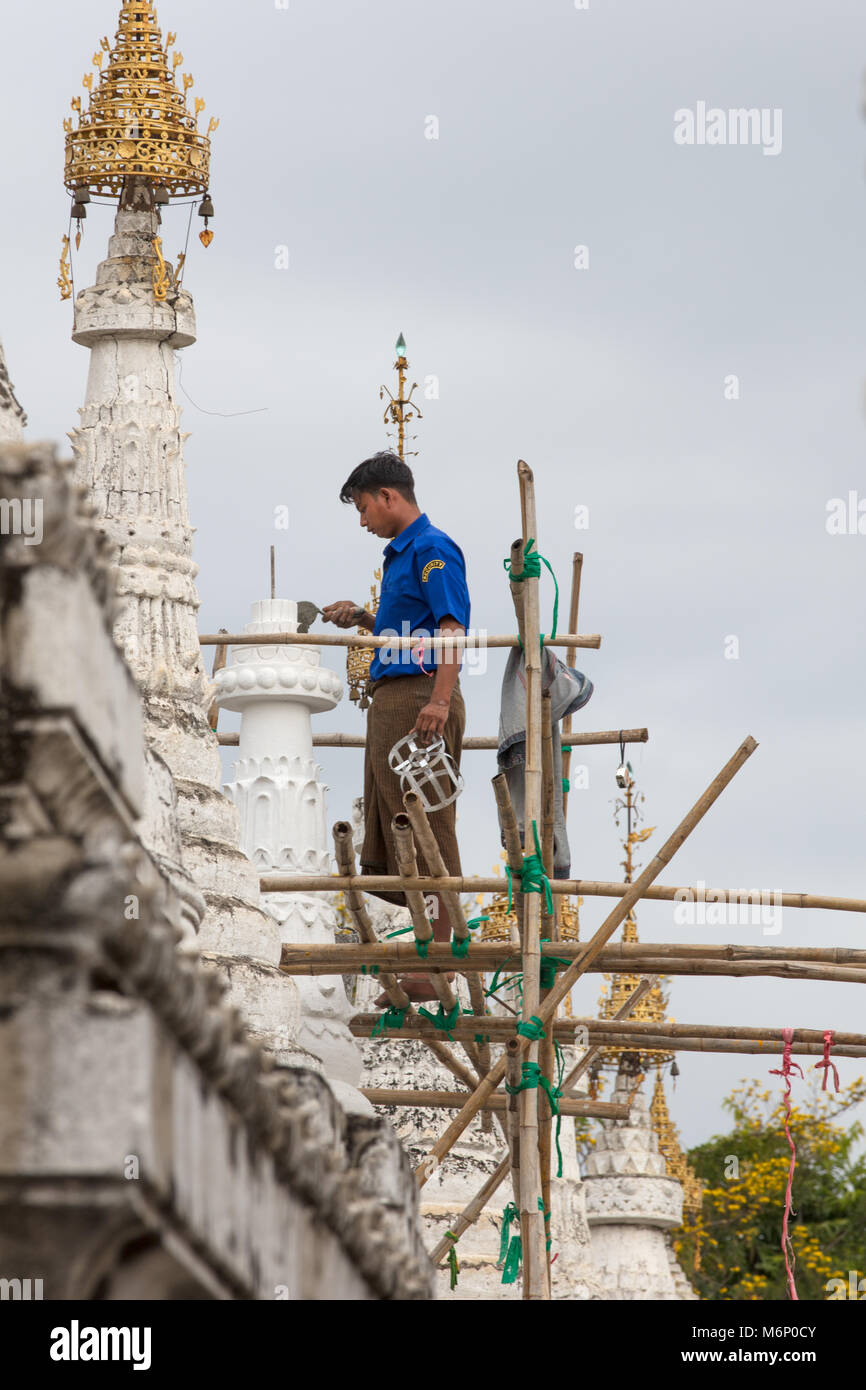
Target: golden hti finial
{"x":137,"y":124}
{"x":401,"y":408}
{"x":618,"y":987}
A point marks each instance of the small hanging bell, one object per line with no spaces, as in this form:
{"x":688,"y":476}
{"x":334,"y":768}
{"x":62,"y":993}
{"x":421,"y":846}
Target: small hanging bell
{"x":206,"y":210}
{"x":79,"y":211}
{"x":675,"y":1071}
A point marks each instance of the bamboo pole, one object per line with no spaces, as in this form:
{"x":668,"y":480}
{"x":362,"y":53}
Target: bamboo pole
{"x":473,"y":1209}
{"x":613,"y":1036}
{"x":746,"y":900}
{"x":570,"y":657}
{"x":512,"y":1078}
{"x":426,"y":841}
{"x":550,"y":931}
{"x":513,"y":847}
{"x":566,"y":982}
{"x":473,"y":743}
{"x":791,"y":962}
{"x":627,"y":1033}
{"x":536,"y":1284}
{"x":457,"y":642}
{"x":452,"y":1100}
{"x":345,"y":856}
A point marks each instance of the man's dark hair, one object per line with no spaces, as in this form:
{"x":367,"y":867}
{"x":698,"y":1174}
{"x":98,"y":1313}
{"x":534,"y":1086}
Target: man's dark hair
{"x":382,"y":470}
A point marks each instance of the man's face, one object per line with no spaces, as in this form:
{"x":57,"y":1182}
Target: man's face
{"x":376,"y":513}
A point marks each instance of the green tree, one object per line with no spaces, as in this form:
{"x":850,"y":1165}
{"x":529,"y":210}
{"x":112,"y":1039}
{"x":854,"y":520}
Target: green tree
{"x":732,"y":1249}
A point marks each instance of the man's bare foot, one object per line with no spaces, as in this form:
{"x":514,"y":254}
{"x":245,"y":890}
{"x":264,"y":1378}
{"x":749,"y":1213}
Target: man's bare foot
{"x":418,"y":988}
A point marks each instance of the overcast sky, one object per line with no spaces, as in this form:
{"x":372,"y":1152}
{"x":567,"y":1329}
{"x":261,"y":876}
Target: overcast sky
{"x":707,"y":515}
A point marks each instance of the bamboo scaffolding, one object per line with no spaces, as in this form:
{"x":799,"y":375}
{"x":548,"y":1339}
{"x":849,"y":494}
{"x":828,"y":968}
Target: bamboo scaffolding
{"x":606,"y":1033}
{"x":474,"y":1208}
{"x":567,"y":981}
{"x":469,"y":641}
{"x":397,"y":996}
{"x":344,"y":958}
{"x":451,"y":901}
{"x":452,"y":1100}
{"x":404,"y":849}
{"x":743,"y":898}
{"x":474,"y":743}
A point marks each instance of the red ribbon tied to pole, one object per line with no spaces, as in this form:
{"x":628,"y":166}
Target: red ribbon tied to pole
{"x":785,"y":1072}
{"x":827,"y":1065}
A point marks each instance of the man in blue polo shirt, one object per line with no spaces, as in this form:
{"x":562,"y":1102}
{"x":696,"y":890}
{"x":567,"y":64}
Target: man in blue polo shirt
{"x":424,"y":594}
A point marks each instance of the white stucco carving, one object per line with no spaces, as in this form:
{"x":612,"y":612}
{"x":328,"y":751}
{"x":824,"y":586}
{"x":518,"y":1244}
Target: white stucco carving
{"x":631,"y":1203}
{"x":281,"y":804}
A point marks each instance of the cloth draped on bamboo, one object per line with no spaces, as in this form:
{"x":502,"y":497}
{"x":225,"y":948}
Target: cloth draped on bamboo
{"x":394,"y":709}
{"x":569,"y":691}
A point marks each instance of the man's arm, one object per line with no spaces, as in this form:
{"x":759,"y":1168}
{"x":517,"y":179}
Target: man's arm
{"x":433,"y":717}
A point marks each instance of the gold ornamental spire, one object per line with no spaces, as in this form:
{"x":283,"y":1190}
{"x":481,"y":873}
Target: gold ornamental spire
{"x":401,"y":408}
{"x":676,"y":1162}
{"x":617,"y":988}
{"x":137,"y":121}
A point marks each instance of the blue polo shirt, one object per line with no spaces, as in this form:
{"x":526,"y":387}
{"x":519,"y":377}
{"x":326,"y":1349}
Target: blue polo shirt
{"x":423,"y":580}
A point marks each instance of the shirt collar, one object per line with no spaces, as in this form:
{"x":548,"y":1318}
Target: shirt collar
{"x":408,"y":535}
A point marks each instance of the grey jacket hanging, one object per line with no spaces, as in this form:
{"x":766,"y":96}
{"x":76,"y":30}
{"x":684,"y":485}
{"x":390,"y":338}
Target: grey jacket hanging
{"x":569,"y":691}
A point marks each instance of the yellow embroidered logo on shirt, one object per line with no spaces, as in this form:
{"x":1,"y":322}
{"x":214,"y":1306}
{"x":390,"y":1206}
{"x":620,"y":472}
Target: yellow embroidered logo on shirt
{"x":431,"y":565}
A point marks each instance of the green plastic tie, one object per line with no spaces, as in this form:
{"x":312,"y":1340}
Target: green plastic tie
{"x":533,"y":1029}
{"x":369,"y":969}
{"x":422,"y":948}
{"x":481,"y":1038}
{"x":495,"y":983}
{"x":566,"y":785}
{"x":442,"y":1022}
{"x":453,"y":1264}
{"x":401,"y":931}
{"x":532,"y":562}
{"x":532,"y":877}
{"x":460,"y":948}
{"x":473,"y":922}
{"x":391,"y":1018}
{"x":510,"y":1252}
{"x":530,"y":1075}
{"x":547,"y":970}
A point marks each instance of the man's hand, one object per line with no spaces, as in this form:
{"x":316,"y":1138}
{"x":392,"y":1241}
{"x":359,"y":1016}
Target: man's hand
{"x":345,"y":613}
{"x":431,"y":722}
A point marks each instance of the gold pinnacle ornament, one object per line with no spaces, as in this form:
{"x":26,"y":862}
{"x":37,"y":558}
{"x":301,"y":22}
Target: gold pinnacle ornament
{"x":137,"y":121}
{"x":617,"y":988}
{"x":401,"y":408}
